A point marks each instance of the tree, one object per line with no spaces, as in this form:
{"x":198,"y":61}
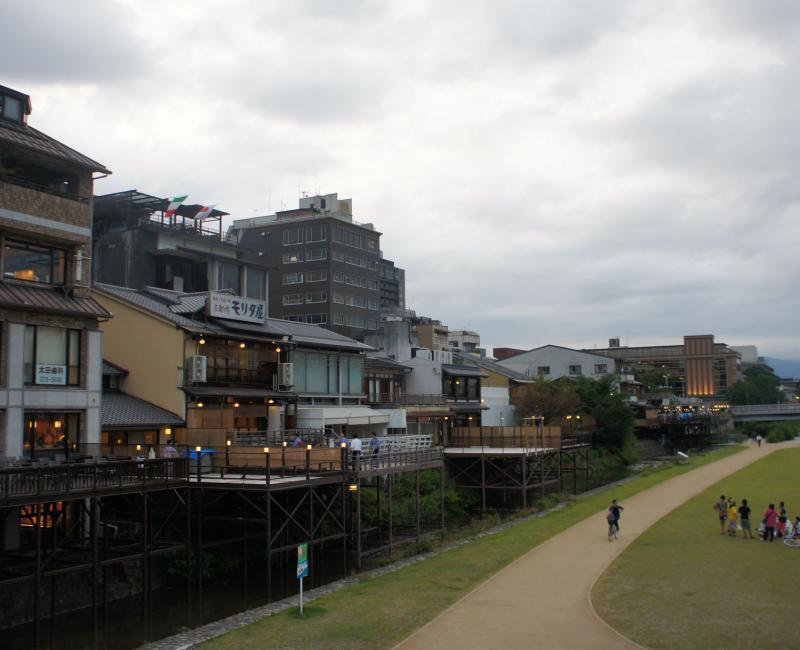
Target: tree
{"x":612,"y":413}
{"x":550,"y":399}
{"x":760,"y":386}
{"x":652,"y":379}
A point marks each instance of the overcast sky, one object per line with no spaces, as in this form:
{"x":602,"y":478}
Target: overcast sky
{"x":546,"y":172}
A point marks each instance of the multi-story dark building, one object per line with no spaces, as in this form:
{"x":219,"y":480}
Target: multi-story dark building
{"x":50,"y":359}
{"x":327,"y":264}
{"x":393,"y":288}
{"x":138,"y":244}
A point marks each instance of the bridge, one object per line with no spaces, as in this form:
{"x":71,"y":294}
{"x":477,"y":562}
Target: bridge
{"x":766,"y":412}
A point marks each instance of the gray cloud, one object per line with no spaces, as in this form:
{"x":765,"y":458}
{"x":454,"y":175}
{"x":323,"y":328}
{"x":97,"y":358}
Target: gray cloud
{"x":53,"y":42}
{"x":546,"y":172}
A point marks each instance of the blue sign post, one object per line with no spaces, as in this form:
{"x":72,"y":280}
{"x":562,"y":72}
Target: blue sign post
{"x":302,"y":569}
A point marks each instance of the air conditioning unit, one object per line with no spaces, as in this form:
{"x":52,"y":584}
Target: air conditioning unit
{"x":285,"y":374}
{"x":197,"y":368}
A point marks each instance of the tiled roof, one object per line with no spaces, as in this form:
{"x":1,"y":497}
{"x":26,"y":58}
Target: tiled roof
{"x":462,"y":371}
{"x":113,"y":369}
{"x":384,"y":362}
{"x":121,"y":410}
{"x":495,"y":367}
{"x":49,"y":299}
{"x":163,"y":303}
{"x":25,"y":136}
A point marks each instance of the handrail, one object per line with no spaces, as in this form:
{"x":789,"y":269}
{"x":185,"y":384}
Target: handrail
{"x":38,"y":187}
{"x":90,"y":476}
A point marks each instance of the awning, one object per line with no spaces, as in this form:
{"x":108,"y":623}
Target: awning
{"x":351,"y":415}
{"x":225,"y":391}
{"x":462,"y":371}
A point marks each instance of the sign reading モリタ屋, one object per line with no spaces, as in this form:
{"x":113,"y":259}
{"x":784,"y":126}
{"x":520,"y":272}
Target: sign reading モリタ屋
{"x":224,"y":305}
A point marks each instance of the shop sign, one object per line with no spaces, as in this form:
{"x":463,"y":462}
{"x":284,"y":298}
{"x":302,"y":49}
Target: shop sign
{"x":47,"y":374}
{"x":224,"y":305}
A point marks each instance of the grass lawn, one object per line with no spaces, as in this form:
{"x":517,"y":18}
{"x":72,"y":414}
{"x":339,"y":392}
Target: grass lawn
{"x":380,"y":612}
{"x":683,"y":585}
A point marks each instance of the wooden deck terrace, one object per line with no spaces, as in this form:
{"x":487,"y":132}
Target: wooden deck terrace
{"x":28,"y":484}
{"x":511,"y":443}
{"x":287,"y":468}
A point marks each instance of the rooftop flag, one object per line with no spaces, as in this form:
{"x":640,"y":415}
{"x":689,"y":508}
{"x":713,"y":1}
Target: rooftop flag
{"x":205,"y":211}
{"x":174,"y":203}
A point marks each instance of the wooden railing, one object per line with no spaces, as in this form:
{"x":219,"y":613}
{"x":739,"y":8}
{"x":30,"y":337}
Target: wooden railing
{"x":548,"y":437}
{"x":91,"y":476}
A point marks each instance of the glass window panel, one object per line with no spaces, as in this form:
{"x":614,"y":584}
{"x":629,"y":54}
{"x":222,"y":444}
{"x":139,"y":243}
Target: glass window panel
{"x":355,"y":375}
{"x":33,"y":263}
{"x":51,"y":345}
{"x":256,"y":284}
{"x":12,"y":109}
{"x":316,"y":375}
{"x":30,"y":337}
{"x":73,"y":370}
{"x":333,"y":374}
{"x":299,"y":359}
{"x":228,"y":277}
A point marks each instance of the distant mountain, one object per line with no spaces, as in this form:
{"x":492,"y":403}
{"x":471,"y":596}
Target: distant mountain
{"x":786,"y":368}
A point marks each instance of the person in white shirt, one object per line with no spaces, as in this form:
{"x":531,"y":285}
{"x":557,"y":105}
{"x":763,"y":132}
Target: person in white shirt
{"x":355,"y":451}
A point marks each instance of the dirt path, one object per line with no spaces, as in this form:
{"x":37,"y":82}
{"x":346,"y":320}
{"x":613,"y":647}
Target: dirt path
{"x":542,"y":600}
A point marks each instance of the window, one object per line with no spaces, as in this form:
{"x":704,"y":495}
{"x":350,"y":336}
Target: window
{"x":372,"y":285}
{"x":316,"y":254}
{"x":229,"y":277}
{"x":294,"y":318}
{"x":255,"y":284}
{"x":338,"y":276}
{"x":293,"y":258}
{"x":48,"y":432}
{"x":355,"y":321}
{"x":600,"y":368}
{"x":338,"y":298}
{"x":293,"y":278}
{"x":574,"y":370}
{"x":316,"y":233}
{"x":372,"y":325}
{"x":543,"y":371}
{"x":338,"y":319}
{"x":372,"y":304}
{"x":317,"y":319}
{"x":11,"y":108}
{"x":316,"y":296}
{"x":316,"y":276}
{"x":33,"y":263}
{"x":292,"y":236}
{"x":356,"y":301}
{"x":372,"y":244}
{"x":52,"y":356}
{"x":293,"y":299}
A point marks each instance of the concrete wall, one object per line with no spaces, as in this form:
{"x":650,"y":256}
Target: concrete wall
{"x":558,"y":359}
{"x":16,"y":397}
{"x":425,"y":378}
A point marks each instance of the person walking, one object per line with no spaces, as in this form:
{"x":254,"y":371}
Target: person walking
{"x":374,"y":449}
{"x":759,"y":439}
{"x":615,"y":512}
{"x":770,"y":520}
{"x":721,"y":507}
{"x":744,"y":520}
{"x":355,"y":451}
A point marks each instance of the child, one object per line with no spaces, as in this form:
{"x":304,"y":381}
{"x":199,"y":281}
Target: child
{"x":731,"y":518}
{"x":762,"y":529}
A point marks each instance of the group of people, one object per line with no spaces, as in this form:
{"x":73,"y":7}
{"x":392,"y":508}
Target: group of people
{"x":774,"y":523}
{"x":356,"y":446}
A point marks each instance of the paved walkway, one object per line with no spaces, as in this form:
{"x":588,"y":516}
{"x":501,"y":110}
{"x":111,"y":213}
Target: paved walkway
{"x":542,"y":600}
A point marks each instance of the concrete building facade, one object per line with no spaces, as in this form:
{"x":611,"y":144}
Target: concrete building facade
{"x":555,"y":361}
{"x":326,"y":264}
{"x":50,"y":373}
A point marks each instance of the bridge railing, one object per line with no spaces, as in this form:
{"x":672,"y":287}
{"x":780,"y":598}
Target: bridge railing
{"x":766,"y":409}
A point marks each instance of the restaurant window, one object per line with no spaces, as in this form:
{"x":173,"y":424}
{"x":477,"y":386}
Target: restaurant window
{"x":48,"y":433}
{"x":22,"y":261}
{"x":52,"y":356}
